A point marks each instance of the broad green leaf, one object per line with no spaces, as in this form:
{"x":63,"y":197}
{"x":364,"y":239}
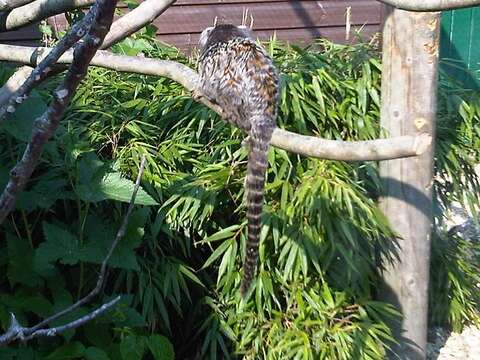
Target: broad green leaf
{"x":113,"y":187}
{"x":59,"y":245}
{"x":73,"y":350}
{"x":132,"y":347}
{"x":93,"y":353}
{"x":161,"y":347}
{"x":20,"y":262}
{"x":20,"y":123}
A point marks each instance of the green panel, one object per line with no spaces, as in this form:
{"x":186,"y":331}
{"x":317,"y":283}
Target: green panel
{"x":460,"y":45}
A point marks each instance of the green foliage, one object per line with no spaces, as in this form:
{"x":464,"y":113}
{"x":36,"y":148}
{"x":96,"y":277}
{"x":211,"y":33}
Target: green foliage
{"x":179,"y":263}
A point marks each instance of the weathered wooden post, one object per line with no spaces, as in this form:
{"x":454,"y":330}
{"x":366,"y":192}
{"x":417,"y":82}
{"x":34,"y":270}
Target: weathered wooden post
{"x":409,"y":87}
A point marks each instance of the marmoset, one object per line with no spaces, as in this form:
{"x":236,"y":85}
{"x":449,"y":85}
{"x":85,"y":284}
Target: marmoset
{"x":237,"y":74}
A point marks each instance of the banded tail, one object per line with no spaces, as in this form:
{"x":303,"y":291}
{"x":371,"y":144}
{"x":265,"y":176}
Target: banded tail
{"x":259,"y":141}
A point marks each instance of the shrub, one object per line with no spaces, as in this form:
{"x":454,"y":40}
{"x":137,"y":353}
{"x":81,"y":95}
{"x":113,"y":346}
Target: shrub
{"x":178,"y":266}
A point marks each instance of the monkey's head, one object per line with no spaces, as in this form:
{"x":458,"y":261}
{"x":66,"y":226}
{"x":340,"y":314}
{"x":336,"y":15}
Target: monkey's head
{"x":223,"y":33}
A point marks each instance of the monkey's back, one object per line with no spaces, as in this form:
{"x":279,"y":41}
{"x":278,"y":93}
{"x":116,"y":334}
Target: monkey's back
{"x":239,"y":76}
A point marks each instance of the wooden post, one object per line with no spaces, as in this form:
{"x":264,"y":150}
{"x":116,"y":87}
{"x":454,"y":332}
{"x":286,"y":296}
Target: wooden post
{"x":409,"y":88}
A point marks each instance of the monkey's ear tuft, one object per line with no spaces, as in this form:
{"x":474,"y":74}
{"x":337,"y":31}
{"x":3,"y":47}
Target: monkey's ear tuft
{"x":247,"y":32}
{"x":204,"y":36}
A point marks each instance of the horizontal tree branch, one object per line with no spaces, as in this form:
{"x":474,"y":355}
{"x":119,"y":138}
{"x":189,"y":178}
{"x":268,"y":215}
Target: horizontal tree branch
{"x":430,"y":5}
{"x":36,"y":11}
{"x":382,"y":149}
{"x":136,"y":19}
{"x":13,"y":84}
{"x":12,"y":4}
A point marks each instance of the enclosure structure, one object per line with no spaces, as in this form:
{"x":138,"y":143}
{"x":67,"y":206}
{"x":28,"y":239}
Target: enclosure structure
{"x":410,"y":65}
{"x":295,"y":21}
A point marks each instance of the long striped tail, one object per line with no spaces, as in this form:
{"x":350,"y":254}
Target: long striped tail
{"x":259,"y":140}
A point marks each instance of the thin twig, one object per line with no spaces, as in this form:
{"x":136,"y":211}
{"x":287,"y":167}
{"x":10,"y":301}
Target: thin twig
{"x":16,"y":331}
{"x":73,"y":324}
{"x":45,"y":125}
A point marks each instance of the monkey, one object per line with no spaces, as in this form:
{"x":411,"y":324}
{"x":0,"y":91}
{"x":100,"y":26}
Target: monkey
{"x":237,"y":74}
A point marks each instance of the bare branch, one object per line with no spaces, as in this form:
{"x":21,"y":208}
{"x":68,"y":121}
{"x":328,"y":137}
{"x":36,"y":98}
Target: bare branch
{"x":36,"y":11}
{"x":430,"y":5}
{"x":12,"y":4}
{"x":382,"y":149}
{"x":379,"y":149}
{"x":42,"y":71}
{"x":75,"y":323}
{"x":13,"y":84}
{"x":16,"y":331}
{"x":142,"y":15}
{"x":45,"y":126}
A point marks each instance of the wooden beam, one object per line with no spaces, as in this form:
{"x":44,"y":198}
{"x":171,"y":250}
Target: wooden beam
{"x":409,"y":104}
{"x":431,"y":5}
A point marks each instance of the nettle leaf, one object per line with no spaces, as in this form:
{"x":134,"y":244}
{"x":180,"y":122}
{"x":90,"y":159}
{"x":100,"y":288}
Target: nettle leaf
{"x":25,"y":301}
{"x":93,"y":353}
{"x":98,"y":332}
{"x":61,"y":300}
{"x":8,"y":353}
{"x":161,"y":347}
{"x":73,"y":350}
{"x":50,"y":188}
{"x":20,"y":262}
{"x":132,"y":347}
{"x":117,"y":188}
{"x":59,"y":245}
{"x":128,"y":317}
{"x":100,"y":235}
{"x":90,"y":167}
{"x":98,"y":183}
{"x":20,"y":123}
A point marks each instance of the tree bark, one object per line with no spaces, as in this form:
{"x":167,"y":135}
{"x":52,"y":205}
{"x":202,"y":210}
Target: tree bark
{"x":36,"y":11}
{"x":12,"y":4}
{"x":409,"y":86}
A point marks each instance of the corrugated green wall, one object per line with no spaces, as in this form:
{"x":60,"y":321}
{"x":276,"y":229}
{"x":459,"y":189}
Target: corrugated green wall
{"x":460,"y":45}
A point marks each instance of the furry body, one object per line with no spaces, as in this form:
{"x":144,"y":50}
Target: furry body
{"x":239,"y":76}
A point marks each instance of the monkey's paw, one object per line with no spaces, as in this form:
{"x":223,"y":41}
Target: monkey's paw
{"x":197,"y":95}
